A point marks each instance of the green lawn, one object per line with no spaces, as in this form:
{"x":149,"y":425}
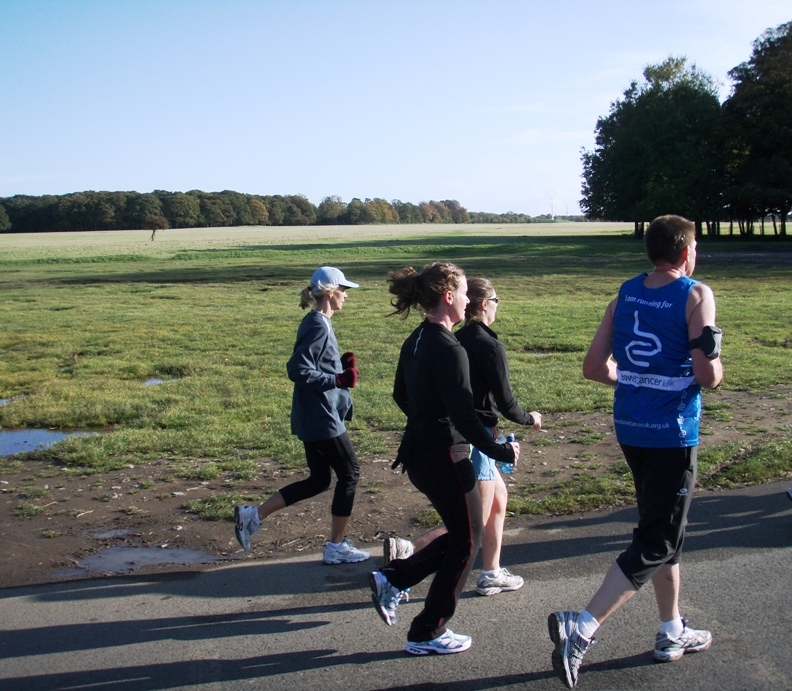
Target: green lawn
{"x":87,"y":317}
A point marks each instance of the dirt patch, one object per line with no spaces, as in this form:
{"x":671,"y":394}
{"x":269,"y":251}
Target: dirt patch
{"x":144,"y":507}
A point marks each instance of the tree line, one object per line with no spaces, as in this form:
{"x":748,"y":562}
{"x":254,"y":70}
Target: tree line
{"x":670,"y":146}
{"x":158,"y":210}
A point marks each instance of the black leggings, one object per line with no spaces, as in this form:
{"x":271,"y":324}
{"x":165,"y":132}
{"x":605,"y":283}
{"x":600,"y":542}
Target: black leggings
{"x":664,"y":482}
{"x":322,"y":456}
{"x":447,"y":479}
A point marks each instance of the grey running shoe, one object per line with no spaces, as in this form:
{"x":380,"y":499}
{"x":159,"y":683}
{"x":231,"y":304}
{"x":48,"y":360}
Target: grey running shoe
{"x":385,"y":597}
{"x":492,"y":585}
{"x":668,"y":649}
{"x":570,"y":646}
{"x":789,"y":493}
{"x":344,"y":553}
{"x":396,"y":548}
{"x":446,"y":644}
{"x":247,"y":524}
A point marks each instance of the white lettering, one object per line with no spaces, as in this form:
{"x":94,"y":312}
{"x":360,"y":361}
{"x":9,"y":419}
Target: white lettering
{"x":643,"y":425}
{"x":657,"y":304}
{"x":654,"y":381}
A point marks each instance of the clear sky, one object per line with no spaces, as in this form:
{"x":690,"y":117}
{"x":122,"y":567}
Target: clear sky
{"x":488,"y":102}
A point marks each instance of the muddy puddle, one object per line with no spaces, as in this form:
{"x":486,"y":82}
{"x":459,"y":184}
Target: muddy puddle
{"x":115,"y":561}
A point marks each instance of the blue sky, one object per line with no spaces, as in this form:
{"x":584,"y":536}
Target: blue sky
{"x":487,"y":102}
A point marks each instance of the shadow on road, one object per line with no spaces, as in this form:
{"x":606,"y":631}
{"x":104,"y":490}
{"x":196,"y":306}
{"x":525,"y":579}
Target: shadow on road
{"x":717,"y":521}
{"x":185,"y":673}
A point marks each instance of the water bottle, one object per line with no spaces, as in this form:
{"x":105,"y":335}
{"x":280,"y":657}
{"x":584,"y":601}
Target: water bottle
{"x":506,"y":468}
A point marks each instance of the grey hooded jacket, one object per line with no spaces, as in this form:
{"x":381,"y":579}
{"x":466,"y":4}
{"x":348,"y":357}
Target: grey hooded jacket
{"x":319,"y":407}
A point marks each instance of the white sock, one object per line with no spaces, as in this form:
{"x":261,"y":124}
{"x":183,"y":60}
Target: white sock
{"x":492,"y":573}
{"x":586,"y":624}
{"x":673,"y":628}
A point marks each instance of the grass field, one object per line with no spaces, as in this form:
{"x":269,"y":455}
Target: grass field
{"x":88,"y":317}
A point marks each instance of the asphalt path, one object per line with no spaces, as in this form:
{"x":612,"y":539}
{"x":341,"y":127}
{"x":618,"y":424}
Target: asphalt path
{"x":298,"y":624}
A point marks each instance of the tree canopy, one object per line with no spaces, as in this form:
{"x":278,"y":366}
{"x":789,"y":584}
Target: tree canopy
{"x":670,"y":146}
{"x":161,"y":209}
{"x":657,"y":150}
{"x":758,"y":118}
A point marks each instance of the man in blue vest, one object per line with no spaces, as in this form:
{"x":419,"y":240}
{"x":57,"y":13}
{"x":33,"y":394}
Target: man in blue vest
{"x":657,"y":345}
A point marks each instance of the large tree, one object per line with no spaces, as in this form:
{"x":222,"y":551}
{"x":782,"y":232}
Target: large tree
{"x":657,"y":151}
{"x":758,"y":117}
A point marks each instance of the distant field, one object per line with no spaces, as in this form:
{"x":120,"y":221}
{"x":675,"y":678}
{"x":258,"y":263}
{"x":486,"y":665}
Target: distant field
{"x":87,"y":317}
{"x":123,"y":241}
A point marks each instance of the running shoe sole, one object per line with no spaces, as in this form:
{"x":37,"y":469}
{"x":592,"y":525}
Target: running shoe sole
{"x":559,"y":638}
{"x":677,"y":653}
{"x":238,"y":529}
{"x":424,"y":649}
{"x":494,"y":590}
{"x":375,"y":599}
{"x":353,"y":559}
{"x":388,"y":550}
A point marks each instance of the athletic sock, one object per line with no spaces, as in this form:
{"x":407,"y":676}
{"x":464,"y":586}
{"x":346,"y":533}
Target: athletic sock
{"x":673,"y":628}
{"x":493,"y":573}
{"x":587,"y":625}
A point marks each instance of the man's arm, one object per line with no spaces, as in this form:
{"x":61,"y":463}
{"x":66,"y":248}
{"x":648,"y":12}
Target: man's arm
{"x":701,"y":313}
{"x":597,"y":365}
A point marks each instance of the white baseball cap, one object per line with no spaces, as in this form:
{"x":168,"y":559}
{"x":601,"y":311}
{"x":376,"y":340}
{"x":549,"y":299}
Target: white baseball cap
{"x":330,"y":276}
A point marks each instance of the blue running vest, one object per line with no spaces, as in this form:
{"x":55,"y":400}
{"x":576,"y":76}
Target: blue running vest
{"x":657,"y":402}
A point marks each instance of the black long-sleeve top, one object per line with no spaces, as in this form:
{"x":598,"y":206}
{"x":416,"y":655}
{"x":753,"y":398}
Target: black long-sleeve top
{"x":489,"y":376}
{"x":432,"y":388}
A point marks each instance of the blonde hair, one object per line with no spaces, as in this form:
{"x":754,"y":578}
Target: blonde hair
{"x":309,"y":295}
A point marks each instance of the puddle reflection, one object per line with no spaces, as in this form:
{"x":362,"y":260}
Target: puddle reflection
{"x":14,"y":441}
{"x":156,"y":380}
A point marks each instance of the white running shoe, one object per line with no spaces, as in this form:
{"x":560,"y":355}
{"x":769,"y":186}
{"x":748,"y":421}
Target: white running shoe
{"x":503,"y":580}
{"x":385,"y":597}
{"x":396,"y":548}
{"x":247,"y":524}
{"x":668,"y":649}
{"x":343,"y":553}
{"x":449,"y":642}
{"x":570,"y":646}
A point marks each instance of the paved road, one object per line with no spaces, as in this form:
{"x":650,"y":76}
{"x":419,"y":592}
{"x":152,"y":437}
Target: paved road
{"x":297,"y":624}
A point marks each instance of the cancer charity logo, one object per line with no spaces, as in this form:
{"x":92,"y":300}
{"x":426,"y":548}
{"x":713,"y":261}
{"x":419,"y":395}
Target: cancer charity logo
{"x":645,"y":345}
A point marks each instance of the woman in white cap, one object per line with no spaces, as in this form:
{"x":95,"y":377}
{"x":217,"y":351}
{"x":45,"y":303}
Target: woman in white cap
{"x":320,"y":405}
